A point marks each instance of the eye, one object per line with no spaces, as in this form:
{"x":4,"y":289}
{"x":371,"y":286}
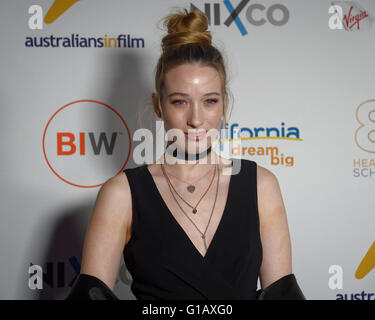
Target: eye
{"x":178,"y":102}
{"x":211,"y":101}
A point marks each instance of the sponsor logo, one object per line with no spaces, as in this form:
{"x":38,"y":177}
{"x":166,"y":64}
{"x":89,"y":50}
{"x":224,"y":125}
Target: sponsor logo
{"x":74,"y":40}
{"x":349,"y":16}
{"x":85,"y":142}
{"x":58,"y":274}
{"x":367,"y":263}
{"x":54,"y":275}
{"x":250,"y":136}
{"x":57,"y":8}
{"x":336,"y":280}
{"x":364,"y":137}
{"x":256,"y":14}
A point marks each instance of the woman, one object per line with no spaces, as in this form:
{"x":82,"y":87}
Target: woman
{"x":190,"y":227}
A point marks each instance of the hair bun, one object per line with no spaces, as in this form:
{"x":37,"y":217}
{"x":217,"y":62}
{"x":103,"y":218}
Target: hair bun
{"x":186,"y":28}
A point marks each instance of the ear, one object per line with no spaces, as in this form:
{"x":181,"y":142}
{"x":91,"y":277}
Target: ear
{"x":155,"y":102}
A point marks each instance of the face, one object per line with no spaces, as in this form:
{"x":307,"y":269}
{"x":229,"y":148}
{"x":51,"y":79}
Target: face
{"x":192,"y":103}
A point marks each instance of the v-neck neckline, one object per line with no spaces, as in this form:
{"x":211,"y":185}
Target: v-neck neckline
{"x":171,"y":217}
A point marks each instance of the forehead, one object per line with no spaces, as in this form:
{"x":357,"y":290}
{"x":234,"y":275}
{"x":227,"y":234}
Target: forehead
{"x":192,"y":78}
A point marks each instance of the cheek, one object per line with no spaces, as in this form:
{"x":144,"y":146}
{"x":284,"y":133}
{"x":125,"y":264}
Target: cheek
{"x":216,"y":119}
{"x":216,"y":114}
{"x":173,"y":118}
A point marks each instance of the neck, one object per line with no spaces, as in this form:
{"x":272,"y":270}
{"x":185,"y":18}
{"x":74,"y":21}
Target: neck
{"x":189,"y":156}
{"x":190,"y":166}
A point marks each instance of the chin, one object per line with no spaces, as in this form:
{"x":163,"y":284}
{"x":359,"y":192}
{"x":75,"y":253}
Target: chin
{"x":197,"y":147}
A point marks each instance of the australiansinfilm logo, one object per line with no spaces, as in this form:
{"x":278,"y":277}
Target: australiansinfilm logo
{"x":85,"y":142}
{"x":37,"y":20}
{"x":336,"y":280}
{"x":243,"y":14}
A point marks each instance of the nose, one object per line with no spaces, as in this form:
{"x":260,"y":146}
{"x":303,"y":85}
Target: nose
{"x":195,"y":118}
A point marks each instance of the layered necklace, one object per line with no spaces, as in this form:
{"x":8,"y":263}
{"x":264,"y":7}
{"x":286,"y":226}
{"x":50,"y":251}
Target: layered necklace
{"x":194,"y":208}
{"x":190,"y":186}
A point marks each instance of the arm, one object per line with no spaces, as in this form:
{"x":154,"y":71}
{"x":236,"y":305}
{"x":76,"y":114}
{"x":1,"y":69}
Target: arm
{"x":105,"y":237}
{"x":276,"y":277}
{"x":277,"y":257}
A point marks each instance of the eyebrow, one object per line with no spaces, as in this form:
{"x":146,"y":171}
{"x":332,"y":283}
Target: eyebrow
{"x":186,"y":95}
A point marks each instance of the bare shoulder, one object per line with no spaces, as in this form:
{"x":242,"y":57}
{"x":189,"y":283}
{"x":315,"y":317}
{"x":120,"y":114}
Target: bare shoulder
{"x":270,"y":201}
{"x":116,"y":200}
{"x":118,"y":183}
{"x":115,"y":194}
{"x":265,"y":178}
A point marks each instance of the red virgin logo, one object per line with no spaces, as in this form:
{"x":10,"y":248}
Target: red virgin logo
{"x":349,"y":16}
{"x":350,"y":20}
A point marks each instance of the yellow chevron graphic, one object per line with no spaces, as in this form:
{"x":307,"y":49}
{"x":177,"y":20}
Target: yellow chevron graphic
{"x":367,"y":263}
{"x":57,"y":9}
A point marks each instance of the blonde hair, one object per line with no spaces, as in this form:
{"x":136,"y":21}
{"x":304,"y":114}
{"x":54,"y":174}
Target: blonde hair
{"x":189,"y":41}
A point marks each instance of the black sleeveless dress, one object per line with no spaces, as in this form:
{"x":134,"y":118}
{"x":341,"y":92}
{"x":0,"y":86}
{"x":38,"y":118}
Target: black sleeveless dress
{"x":165,"y":264}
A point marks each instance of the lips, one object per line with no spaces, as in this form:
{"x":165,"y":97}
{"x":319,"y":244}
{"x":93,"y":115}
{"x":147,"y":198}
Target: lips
{"x":196,"y":135}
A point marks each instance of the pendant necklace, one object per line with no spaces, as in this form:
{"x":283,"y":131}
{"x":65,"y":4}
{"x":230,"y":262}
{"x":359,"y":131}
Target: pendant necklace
{"x":187,"y":156}
{"x":203,"y":234}
{"x":191,"y":185}
{"x":194,"y":208}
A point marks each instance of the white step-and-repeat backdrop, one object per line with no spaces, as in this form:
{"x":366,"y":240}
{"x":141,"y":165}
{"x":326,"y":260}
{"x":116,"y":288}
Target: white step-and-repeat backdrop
{"x":76,"y":79}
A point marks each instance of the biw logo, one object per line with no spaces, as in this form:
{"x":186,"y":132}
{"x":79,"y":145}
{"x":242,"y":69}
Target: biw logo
{"x":85,"y":142}
{"x":57,"y":8}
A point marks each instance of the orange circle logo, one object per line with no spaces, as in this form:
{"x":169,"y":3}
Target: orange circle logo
{"x":87,"y":144}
